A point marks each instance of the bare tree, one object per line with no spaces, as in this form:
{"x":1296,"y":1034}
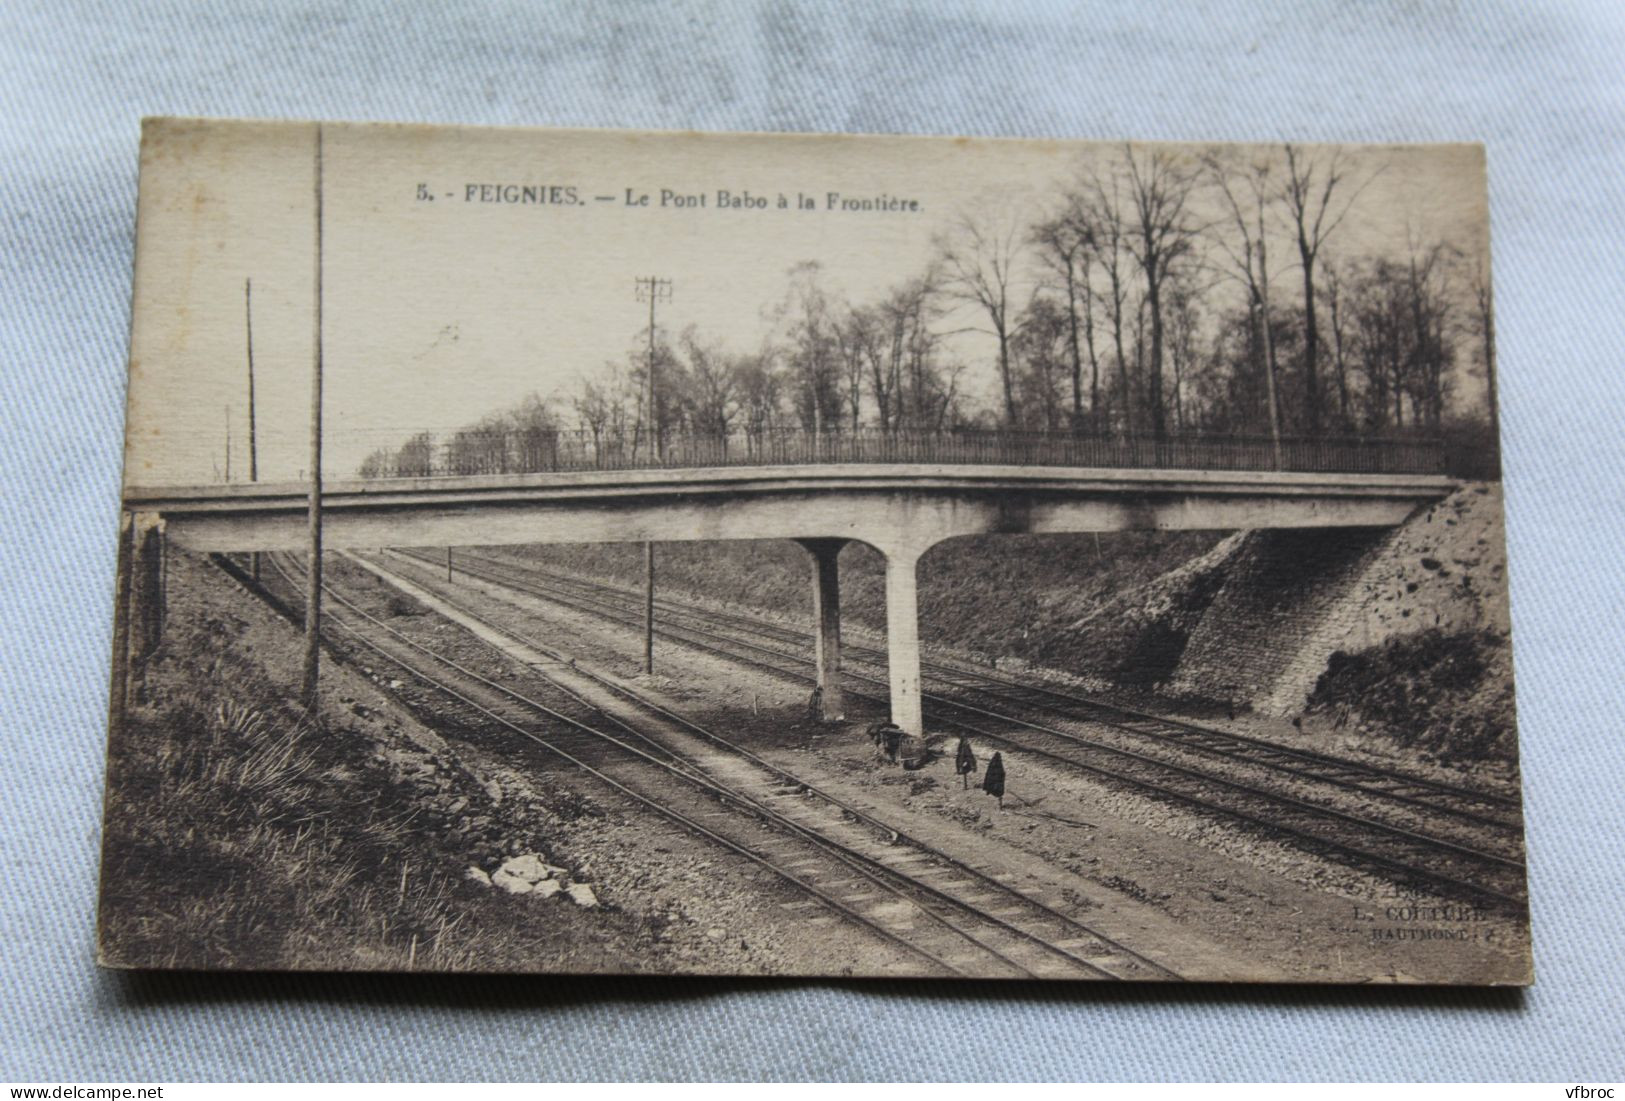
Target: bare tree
{"x":853,"y":337}
{"x":534,"y":429}
{"x":1101,"y":210}
{"x":1247,"y":196}
{"x":1428,"y":287}
{"x":1162,"y":233}
{"x":761,"y":393}
{"x":873,"y":331}
{"x":416,"y":457}
{"x":592,"y":406}
{"x":870,"y":334}
{"x":1403,"y":312}
{"x":1040,"y":349}
{"x":1484,"y":315}
{"x":1378,"y":329}
{"x":379,"y":463}
{"x":1309,"y":191}
{"x":905,"y":376}
{"x":806,"y":318}
{"x":654,"y":356}
{"x":1332,"y":291}
{"x":1086,"y":264}
{"x":979,"y":259}
{"x":1064,"y":244}
{"x":712,"y":382}
{"x":1185,"y":318}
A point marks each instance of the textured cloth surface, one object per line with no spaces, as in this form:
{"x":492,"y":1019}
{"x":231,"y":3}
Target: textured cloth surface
{"x":1542,"y":89}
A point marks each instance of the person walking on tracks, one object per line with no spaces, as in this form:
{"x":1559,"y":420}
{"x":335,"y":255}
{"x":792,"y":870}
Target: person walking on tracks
{"x":993,"y":778}
{"x":964,"y":762}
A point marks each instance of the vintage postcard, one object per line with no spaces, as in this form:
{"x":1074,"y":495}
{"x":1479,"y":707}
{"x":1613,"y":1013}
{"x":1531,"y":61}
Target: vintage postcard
{"x":593,"y":552}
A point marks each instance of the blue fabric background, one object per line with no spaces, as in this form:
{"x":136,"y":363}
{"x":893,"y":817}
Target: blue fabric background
{"x":1543,"y":89}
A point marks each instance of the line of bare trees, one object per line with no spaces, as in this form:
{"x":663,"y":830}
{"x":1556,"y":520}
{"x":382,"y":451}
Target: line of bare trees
{"x":1163,"y":303}
{"x":828,"y":366}
{"x":1161,"y":293}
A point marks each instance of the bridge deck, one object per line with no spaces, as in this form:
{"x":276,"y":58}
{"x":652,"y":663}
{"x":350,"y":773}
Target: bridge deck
{"x":902,"y":510}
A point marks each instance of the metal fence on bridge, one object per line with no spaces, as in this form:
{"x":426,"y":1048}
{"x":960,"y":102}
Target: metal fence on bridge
{"x":514,"y":451}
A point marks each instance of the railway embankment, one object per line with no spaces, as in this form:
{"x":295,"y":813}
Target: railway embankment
{"x":253,"y":835}
{"x":1018,"y":597}
{"x":1402,"y":634}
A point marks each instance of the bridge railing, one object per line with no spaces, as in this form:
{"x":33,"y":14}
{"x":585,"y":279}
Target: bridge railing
{"x":514,"y":451}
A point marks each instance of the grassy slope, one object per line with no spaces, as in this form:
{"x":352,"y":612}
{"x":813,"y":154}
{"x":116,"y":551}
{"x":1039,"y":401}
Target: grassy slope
{"x":242,"y":834}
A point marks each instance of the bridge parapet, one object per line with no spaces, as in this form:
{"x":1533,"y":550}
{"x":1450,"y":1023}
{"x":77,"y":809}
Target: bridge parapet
{"x":540,"y":450}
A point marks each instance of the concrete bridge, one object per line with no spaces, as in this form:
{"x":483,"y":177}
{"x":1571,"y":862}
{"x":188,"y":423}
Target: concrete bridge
{"x":902,"y":510}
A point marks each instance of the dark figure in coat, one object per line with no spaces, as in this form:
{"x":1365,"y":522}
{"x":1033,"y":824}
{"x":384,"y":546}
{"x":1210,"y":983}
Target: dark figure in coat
{"x":964,"y":763}
{"x":993,"y":778}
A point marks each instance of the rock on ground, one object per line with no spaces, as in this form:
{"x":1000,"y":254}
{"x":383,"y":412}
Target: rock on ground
{"x":513,"y":884}
{"x":531,"y":867}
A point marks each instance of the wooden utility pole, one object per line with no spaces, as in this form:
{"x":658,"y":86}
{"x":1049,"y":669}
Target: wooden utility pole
{"x":228,"y":441}
{"x":253,"y":428}
{"x":1268,"y":342}
{"x":649,"y":608}
{"x":313,"y":575}
{"x":654,"y":289}
{"x":253,"y":436}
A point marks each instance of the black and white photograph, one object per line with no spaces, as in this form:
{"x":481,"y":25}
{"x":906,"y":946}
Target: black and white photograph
{"x":612,"y":552}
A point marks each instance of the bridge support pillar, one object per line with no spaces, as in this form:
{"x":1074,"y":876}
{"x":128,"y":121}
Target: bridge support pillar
{"x":826,"y":589}
{"x":903,"y":640}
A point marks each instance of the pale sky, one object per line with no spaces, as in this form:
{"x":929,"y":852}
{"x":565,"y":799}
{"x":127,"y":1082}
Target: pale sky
{"x":436,"y":313}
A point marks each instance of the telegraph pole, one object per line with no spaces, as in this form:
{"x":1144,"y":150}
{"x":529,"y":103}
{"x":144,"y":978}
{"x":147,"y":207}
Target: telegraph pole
{"x":228,"y":441}
{"x":649,"y":607}
{"x":253,"y":438}
{"x":655,"y":290}
{"x":313,"y":575}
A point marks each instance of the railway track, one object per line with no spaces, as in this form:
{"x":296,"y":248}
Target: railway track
{"x":1433,"y":797}
{"x":1481,"y":862}
{"x":953,"y":917}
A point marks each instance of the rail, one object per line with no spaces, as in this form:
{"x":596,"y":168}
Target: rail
{"x":530,"y":450}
